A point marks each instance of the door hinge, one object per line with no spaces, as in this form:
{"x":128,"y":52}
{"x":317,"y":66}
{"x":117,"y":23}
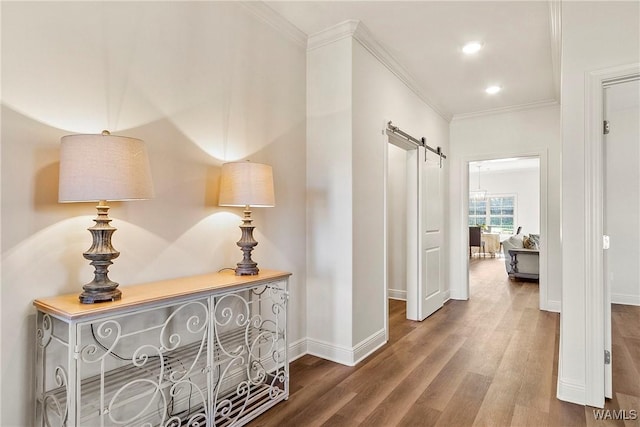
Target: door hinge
{"x":606,"y":242}
{"x":606,"y":127}
{"x":607,"y":357}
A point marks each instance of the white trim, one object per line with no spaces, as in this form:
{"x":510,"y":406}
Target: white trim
{"x":544,"y":230}
{"x":328,"y":351}
{"x":368,"y":41}
{"x":509,"y":109}
{"x":297,"y":349}
{"x":277,"y":21}
{"x":625,"y":299}
{"x":332,"y":34}
{"x":570,"y":392}
{"x":398,"y":294}
{"x":553,"y":306}
{"x":594,"y":286}
{"x":385,"y":231}
{"x":594,"y":293}
{"x":555,"y":28}
{"x":367,"y":346}
{"x":446,"y":296}
{"x":413,"y":256}
{"x":457,"y":294}
{"x":346,"y":355}
{"x":360,"y":33}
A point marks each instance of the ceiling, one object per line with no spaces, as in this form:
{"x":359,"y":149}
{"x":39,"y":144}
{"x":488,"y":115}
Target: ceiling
{"x":426,"y":38}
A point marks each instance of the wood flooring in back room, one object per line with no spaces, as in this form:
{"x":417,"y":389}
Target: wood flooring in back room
{"x":488,"y":361}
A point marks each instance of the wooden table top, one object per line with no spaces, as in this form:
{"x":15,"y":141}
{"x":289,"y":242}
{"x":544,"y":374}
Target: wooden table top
{"x":69,"y":307}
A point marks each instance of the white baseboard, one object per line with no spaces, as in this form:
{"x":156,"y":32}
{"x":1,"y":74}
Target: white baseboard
{"x":297,"y":349}
{"x":325,"y":350}
{"x":367,"y":346}
{"x":345,"y":355}
{"x":571,"y":392}
{"x":553,"y":306}
{"x":446,"y":296}
{"x":625,"y":299}
{"x":453,"y":294}
{"x":402,"y":295}
{"x":397,"y":294}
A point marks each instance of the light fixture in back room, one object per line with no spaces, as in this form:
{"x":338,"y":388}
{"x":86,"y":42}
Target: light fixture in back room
{"x":478,"y":194}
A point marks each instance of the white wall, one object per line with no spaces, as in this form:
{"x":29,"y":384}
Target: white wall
{"x":524,"y":184}
{"x":329,"y":199}
{"x":351,"y":97}
{"x":201,"y":83}
{"x":533,"y":131}
{"x":595,"y":35}
{"x":380,"y":96}
{"x":397,"y":222}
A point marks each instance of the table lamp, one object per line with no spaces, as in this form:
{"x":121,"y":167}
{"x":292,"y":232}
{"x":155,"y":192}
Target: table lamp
{"x":98,"y":168}
{"x":249,"y":185}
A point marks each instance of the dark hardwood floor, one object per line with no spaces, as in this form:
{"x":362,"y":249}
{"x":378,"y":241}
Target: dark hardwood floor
{"x":489,"y":361}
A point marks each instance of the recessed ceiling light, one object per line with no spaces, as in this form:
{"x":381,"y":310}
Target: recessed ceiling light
{"x":492,"y":90}
{"x":471,"y":47}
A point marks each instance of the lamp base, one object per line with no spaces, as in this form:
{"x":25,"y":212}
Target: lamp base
{"x":247,"y":270}
{"x":101,"y":253}
{"x":247,"y":267}
{"x":93,"y":296}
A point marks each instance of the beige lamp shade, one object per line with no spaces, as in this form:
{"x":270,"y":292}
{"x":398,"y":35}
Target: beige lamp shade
{"x":246,"y":184}
{"x":103,"y":167}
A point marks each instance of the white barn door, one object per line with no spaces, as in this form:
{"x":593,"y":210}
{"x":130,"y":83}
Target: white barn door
{"x":430,"y":234}
{"x":424,"y":233}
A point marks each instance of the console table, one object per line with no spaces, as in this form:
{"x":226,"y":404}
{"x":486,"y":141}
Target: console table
{"x":201,"y":350}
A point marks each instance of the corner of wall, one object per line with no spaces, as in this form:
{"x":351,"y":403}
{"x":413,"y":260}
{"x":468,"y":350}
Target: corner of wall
{"x":297,"y":349}
{"x":345,"y":355}
{"x":553,"y":306}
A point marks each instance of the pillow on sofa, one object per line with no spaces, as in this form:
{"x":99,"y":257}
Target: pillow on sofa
{"x":516,"y":241}
{"x":532,"y":242}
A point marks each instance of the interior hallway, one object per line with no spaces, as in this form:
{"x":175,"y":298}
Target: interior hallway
{"x":491,"y":360}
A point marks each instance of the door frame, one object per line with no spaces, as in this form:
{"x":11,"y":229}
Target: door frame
{"x":594,"y":226}
{"x":542,"y":154}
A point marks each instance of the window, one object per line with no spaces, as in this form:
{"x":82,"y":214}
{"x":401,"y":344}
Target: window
{"x":477,"y":211}
{"x":496,"y":211}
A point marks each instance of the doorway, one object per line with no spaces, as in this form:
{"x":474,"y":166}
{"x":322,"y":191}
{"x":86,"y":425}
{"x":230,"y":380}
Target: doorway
{"x":507,"y":195}
{"x":597,"y":294}
{"x":397,"y":238}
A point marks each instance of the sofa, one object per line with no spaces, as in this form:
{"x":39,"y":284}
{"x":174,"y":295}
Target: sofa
{"x":522,"y":256}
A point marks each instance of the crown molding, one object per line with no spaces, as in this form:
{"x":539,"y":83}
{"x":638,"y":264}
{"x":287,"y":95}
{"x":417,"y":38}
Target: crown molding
{"x":332,"y":34}
{"x":359,"y":32}
{"x":275,"y":20}
{"x":509,"y":109}
{"x":367,"y":40}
